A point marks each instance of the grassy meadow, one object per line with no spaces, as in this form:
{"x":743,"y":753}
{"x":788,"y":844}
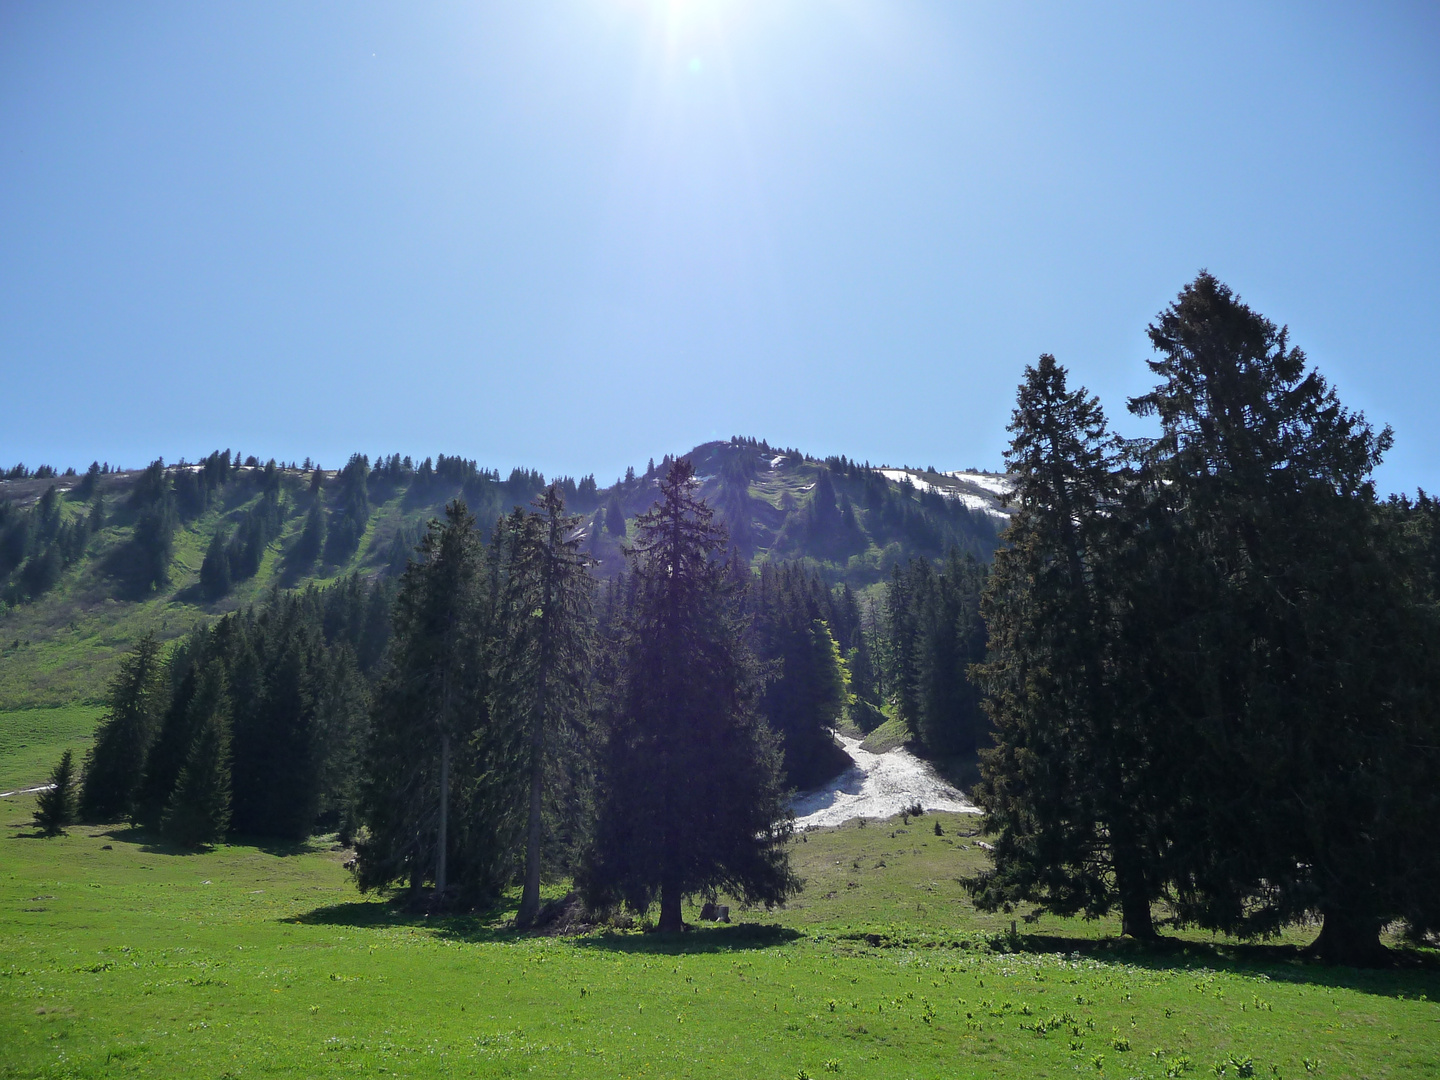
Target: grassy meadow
{"x":32,"y":740}
{"x":122,"y":957}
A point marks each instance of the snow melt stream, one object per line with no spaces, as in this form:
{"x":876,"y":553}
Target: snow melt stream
{"x":877,"y":786}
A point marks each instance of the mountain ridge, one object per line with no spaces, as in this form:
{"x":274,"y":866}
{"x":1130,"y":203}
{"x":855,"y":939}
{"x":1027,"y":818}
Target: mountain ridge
{"x":81,"y":537}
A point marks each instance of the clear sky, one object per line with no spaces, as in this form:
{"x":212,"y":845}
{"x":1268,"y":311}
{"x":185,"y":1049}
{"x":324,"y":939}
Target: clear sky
{"x":577,"y":235}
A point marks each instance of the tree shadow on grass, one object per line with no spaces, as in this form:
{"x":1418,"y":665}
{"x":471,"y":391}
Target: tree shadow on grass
{"x":1413,"y":971}
{"x":493,"y":923}
{"x":695,"y":940}
{"x":481,"y":925}
{"x":152,"y":843}
{"x":148,"y":841}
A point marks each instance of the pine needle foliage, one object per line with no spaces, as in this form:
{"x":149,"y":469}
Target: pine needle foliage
{"x":692,"y":798}
{"x":55,"y":806}
{"x":115,"y":764}
{"x":540,"y":653}
{"x":1065,"y":784}
{"x":437,"y":799}
{"x":198,"y":810}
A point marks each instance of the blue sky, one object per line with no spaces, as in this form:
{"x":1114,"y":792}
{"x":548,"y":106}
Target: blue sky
{"x":577,"y":235}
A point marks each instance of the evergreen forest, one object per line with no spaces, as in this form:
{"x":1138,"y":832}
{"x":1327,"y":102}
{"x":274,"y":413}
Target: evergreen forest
{"x":1190,"y":678}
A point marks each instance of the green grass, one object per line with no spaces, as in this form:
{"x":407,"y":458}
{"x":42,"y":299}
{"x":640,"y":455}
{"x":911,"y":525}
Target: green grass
{"x":893,"y":733}
{"x":32,"y":740}
{"x":65,"y":646}
{"x":140,"y":961}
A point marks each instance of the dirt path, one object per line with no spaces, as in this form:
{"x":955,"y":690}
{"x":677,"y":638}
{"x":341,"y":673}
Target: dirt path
{"x":877,"y":786}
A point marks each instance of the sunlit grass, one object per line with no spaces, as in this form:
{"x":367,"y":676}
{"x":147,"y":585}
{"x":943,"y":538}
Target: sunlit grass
{"x":138,"y":960}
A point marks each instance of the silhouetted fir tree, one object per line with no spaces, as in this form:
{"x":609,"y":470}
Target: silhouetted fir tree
{"x":177,"y":734}
{"x":950,"y":637}
{"x":312,"y":537}
{"x":615,"y":519}
{"x":215,"y":568}
{"x":692,"y":799}
{"x":541,"y":653}
{"x":1303,"y":733}
{"x":807,"y":682}
{"x":95,"y":520}
{"x":114,"y":765}
{"x":1070,"y":785}
{"x":350,"y":511}
{"x":153,"y":543}
{"x":586,"y":492}
{"x":55,"y":807}
{"x":277,"y":753}
{"x":342,"y":721}
{"x":198,"y":810}
{"x":902,"y":607}
{"x":429,"y":705}
{"x":733,"y":502}
{"x":89,"y":482}
{"x":402,"y":549}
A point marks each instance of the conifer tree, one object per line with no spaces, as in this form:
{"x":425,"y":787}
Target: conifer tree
{"x":950,"y":637}
{"x":692,"y":798}
{"x":1303,"y":732}
{"x":55,"y":807}
{"x":615,"y":519}
{"x":807,"y":687}
{"x":312,"y":537}
{"x":176,"y":735}
{"x":430,"y":703}
{"x":1065,"y":783}
{"x":276,"y":745}
{"x":135,"y":704}
{"x":198,"y":810}
{"x":541,"y":654}
{"x":215,"y":569}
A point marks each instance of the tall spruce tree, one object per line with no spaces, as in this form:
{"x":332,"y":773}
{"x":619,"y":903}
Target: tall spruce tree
{"x":135,"y":704}
{"x":215,"y":577}
{"x":198,"y":810}
{"x":278,"y":758}
{"x":540,"y":655}
{"x":1304,"y":729}
{"x":692,"y":798}
{"x":55,"y":806}
{"x":429,"y":705}
{"x":1067,"y":783}
{"x":950,"y":637}
{"x":807,"y":685}
{"x":176,"y":735}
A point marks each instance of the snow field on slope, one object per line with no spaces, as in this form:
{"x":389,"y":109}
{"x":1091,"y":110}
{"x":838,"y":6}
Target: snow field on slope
{"x":877,"y":786}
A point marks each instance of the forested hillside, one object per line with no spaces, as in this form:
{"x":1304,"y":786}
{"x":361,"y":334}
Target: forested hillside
{"x":92,"y":561}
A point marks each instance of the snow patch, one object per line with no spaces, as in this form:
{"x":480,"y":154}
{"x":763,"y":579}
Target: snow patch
{"x":26,"y":791}
{"x":877,"y":786}
{"x":995,"y":483}
{"x":972,"y":501}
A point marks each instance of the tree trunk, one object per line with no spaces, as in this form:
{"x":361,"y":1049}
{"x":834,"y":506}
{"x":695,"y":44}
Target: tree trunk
{"x":670,"y":920}
{"x":443,"y":845}
{"x":1136,"y":920}
{"x":530,"y":896}
{"x":1352,"y":940}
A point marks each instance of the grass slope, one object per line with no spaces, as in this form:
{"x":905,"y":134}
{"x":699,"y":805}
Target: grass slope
{"x":63,"y":647}
{"x":137,"y":961}
{"x":32,"y":740}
